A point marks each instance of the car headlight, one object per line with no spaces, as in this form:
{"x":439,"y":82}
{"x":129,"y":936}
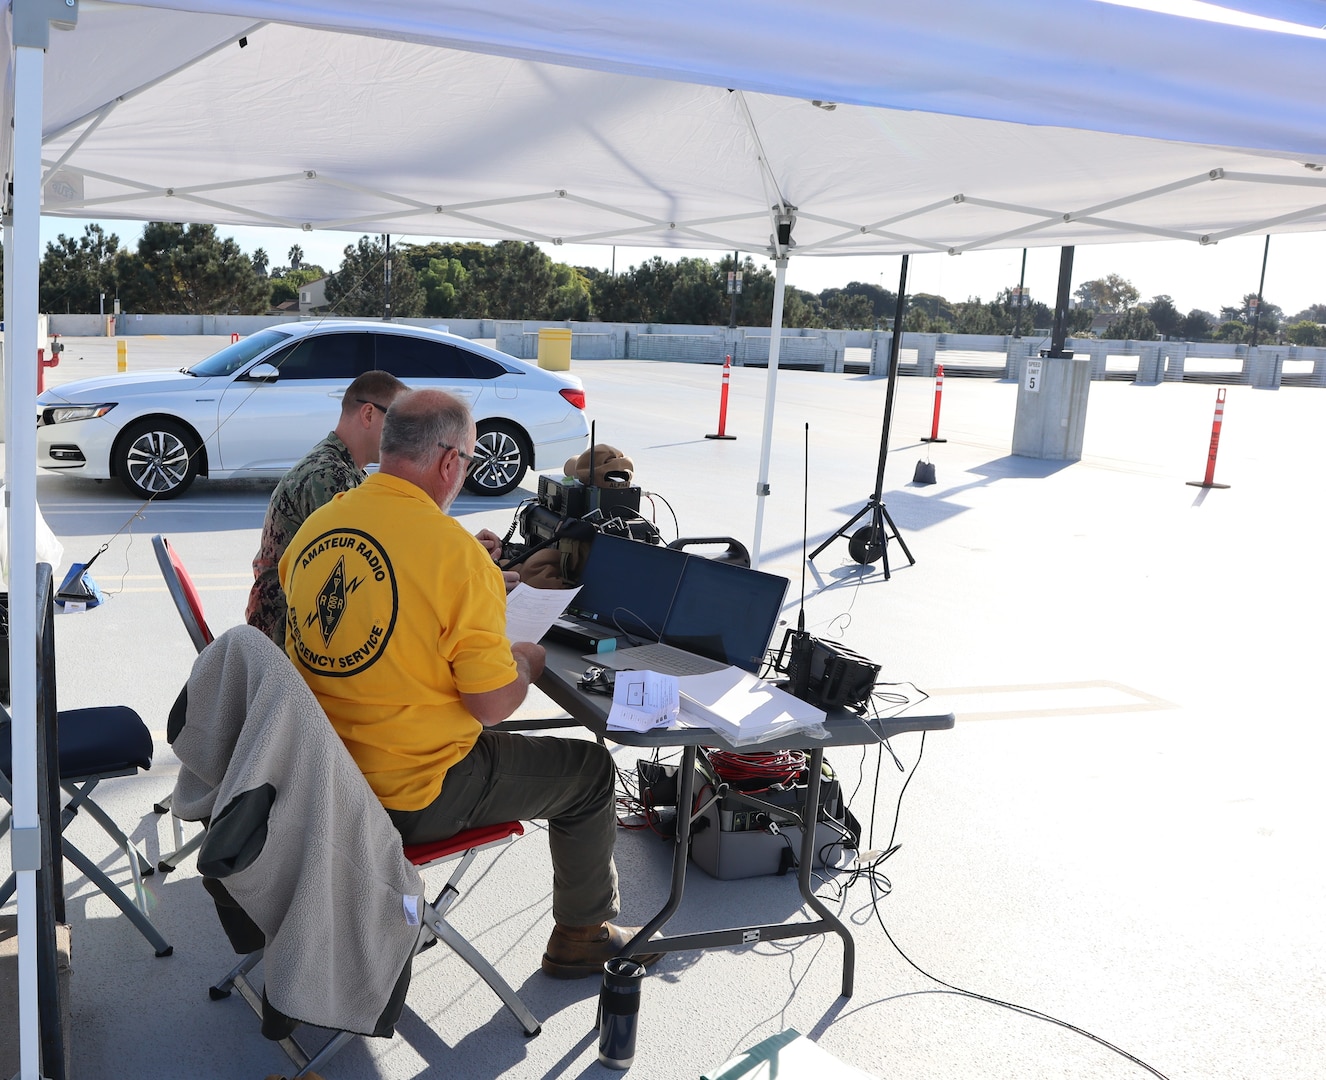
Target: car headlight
{"x":63,"y":414}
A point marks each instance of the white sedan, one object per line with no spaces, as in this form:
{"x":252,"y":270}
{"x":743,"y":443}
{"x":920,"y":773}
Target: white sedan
{"x":257,"y":406}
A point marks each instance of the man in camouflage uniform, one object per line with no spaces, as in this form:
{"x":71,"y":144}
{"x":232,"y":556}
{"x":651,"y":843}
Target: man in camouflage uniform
{"x":336,"y":464}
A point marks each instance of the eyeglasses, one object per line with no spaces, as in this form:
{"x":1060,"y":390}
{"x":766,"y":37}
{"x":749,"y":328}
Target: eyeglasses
{"x":380,"y":408}
{"x":461,"y":453}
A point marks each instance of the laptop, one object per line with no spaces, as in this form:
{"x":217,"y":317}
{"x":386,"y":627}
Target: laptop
{"x":627,"y":586}
{"x":718,"y":615}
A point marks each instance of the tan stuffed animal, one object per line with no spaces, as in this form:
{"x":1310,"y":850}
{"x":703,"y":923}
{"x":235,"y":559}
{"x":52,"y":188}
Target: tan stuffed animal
{"x":607,"y":460}
{"x":543,"y":570}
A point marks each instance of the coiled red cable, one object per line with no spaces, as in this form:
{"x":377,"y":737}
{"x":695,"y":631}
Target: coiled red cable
{"x":769,"y":768}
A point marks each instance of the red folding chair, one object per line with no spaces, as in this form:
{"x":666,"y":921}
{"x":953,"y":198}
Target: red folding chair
{"x":190,"y":606}
{"x":183,"y":591}
{"x":460,"y":849}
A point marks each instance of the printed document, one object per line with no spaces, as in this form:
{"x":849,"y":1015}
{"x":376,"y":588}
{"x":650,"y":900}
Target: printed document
{"x":530,"y":611}
{"x":642,"y":701}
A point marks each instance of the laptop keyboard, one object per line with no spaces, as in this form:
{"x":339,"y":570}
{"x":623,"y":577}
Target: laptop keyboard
{"x":655,"y":656}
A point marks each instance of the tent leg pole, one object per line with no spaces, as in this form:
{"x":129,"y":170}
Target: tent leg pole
{"x":21,"y":474}
{"x":770,"y":397}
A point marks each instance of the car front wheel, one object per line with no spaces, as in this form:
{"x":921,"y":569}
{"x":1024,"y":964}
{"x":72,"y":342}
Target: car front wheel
{"x":500,"y":459}
{"x":157,"y":459}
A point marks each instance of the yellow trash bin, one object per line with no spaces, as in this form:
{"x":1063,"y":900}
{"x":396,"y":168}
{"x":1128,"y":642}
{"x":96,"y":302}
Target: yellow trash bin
{"x":555,"y":348}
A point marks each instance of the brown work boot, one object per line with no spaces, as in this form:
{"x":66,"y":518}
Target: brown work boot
{"x":576,"y":952}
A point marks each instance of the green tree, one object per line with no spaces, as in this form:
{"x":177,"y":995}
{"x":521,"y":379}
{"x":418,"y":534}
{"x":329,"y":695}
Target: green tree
{"x":616,"y":298}
{"x":286,"y":282}
{"x":858,"y":305}
{"x":296,"y":256}
{"x":571,"y":294}
{"x":847,"y":311}
{"x":1134,"y":325}
{"x":511,"y":280}
{"x":75,"y":274}
{"x":1162,"y":312}
{"x":1197,"y":325}
{"x":1305,"y":332}
{"x":1231,"y":330}
{"x":1272,"y":315}
{"x":359,"y":286}
{"x":282,"y":292}
{"x":936,"y":307}
{"x":688,"y":290}
{"x":800,"y":308}
{"x":1316,"y":313}
{"x":444,"y":281}
{"x":188,"y":270}
{"x":697,"y":294}
{"x":1108,"y":294}
{"x":260,"y":262}
{"x":973,"y":317}
{"x":918,"y":320}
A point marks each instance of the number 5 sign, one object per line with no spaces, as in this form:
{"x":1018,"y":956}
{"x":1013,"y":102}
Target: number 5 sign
{"x":1034,"y":376}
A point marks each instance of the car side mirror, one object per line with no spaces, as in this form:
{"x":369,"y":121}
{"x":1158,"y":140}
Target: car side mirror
{"x":263,"y":373}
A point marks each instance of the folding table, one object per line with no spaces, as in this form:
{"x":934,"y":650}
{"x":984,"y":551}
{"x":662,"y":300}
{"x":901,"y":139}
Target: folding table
{"x":560,"y":681}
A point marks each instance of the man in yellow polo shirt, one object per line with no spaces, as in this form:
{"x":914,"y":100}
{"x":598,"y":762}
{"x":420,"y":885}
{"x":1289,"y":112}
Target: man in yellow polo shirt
{"x":397,"y":620}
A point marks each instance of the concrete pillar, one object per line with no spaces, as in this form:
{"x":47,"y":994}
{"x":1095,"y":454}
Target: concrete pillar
{"x":925,"y":354}
{"x":1052,"y":408}
{"x":1173,"y":355}
{"x":837,"y":341}
{"x":880,"y":343}
{"x":1150,"y":367}
{"x":1015,"y":357}
{"x":732,"y":339}
{"x":1264,"y":366}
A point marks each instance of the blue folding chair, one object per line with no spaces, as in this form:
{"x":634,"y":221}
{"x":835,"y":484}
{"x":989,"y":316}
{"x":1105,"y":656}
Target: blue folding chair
{"x":93,"y":745}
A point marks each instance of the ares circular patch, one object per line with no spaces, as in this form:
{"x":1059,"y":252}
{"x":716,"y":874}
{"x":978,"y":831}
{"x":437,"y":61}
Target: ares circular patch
{"x":342,"y":603}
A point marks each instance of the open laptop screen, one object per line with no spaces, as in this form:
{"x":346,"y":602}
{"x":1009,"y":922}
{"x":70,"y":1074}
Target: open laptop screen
{"x":725,"y":612}
{"x":628,"y":586}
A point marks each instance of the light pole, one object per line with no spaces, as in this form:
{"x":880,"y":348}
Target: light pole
{"x":1022,"y":292}
{"x":1257,"y":315}
{"x":734,"y":289}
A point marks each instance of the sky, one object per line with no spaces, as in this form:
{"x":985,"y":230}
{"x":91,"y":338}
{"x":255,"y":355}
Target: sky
{"x":1208,"y":278}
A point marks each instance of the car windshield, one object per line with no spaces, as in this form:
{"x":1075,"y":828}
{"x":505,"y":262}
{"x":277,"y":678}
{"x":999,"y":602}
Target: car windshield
{"x":235,"y":356}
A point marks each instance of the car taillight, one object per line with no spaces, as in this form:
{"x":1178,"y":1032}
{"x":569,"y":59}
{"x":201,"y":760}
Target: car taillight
{"x":575,"y":397}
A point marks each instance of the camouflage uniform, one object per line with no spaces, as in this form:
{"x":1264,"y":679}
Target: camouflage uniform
{"x":325,"y":470}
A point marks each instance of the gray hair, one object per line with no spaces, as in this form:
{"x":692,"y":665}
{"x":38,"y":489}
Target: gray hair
{"x":419,"y":420}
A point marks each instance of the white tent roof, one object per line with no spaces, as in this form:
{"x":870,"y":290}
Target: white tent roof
{"x":944,"y":126}
{"x":957,"y":124}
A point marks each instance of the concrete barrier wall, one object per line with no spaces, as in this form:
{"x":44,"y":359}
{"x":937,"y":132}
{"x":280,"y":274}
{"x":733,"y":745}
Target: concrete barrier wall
{"x":224,"y":325}
{"x":1146,"y":362}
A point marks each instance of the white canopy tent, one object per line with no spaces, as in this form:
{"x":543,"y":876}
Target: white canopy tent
{"x":859,"y":126}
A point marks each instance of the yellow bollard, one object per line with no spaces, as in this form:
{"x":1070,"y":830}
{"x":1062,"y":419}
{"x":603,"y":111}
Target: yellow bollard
{"x":121,"y":355}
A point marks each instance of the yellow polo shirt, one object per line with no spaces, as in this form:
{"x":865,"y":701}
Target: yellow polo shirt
{"x":394,"y":610}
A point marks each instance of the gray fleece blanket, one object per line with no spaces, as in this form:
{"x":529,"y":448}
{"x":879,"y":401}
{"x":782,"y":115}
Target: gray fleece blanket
{"x":296,"y":835}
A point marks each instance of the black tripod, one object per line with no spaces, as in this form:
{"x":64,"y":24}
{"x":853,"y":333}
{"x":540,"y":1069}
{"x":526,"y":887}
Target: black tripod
{"x":870,"y":542}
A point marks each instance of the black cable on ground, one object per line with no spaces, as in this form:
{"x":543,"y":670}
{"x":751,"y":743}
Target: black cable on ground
{"x":880,"y":887}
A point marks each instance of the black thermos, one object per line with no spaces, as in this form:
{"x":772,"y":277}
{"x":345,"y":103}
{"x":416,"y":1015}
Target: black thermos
{"x":619,"y":1011}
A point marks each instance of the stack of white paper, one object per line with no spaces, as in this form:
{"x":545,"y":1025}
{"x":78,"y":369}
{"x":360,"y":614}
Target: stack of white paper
{"x":744,"y":709}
